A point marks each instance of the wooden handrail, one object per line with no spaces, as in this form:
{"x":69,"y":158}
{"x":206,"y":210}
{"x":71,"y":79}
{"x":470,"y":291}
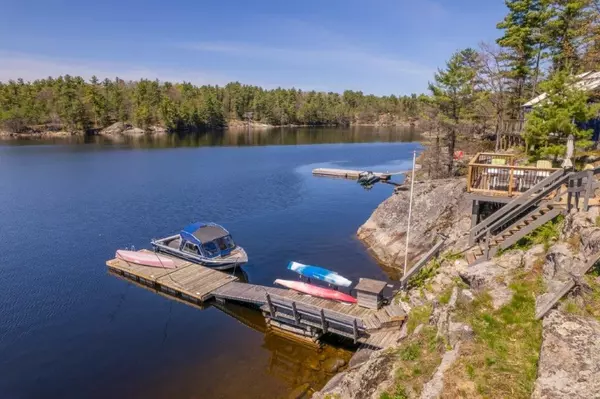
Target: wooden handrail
{"x":516,"y":167}
{"x":422,"y":262}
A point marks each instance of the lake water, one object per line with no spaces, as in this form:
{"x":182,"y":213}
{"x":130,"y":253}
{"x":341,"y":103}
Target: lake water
{"x":68,"y":329}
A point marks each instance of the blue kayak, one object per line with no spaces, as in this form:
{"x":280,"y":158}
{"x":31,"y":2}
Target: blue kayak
{"x":319,"y":273}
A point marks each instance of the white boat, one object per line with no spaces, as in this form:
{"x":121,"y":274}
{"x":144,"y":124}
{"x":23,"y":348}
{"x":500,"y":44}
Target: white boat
{"x":207,"y":244}
{"x":146,"y":259}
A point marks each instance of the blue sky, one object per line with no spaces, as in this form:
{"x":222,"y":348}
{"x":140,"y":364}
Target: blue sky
{"x":377,"y":46}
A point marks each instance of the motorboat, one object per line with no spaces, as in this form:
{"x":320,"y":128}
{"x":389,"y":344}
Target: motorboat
{"x":207,"y":244}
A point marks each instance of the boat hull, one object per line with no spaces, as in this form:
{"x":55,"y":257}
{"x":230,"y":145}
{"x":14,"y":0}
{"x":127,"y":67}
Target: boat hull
{"x":317,"y":291}
{"x":319,"y":273}
{"x":146,"y":259}
{"x":237,"y":258}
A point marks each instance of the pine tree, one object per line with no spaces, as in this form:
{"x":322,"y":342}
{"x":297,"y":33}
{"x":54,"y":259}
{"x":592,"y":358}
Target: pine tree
{"x":566,"y":31}
{"x":453,"y":93}
{"x":550,"y":123}
{"x":523,"y":43}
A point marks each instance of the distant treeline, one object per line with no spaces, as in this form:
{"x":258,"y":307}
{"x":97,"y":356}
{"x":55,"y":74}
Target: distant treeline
{"x":73,"y":103}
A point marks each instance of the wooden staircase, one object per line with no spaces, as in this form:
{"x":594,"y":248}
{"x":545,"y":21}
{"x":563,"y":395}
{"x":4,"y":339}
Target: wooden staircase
{"x":525,"y":213}
{"x":512,"y":234}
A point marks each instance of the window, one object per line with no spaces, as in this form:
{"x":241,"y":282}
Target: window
{"x":191,"y":248}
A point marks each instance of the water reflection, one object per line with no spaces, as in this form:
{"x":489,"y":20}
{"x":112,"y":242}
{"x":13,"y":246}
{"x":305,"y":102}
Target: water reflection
{"x":303,"y":366}
{"x":247,"y":137}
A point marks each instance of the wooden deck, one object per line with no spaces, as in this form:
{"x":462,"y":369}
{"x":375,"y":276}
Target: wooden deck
{"x":497,"y":175}
{"x":189,"y":281}
{"x":347,"y":173}
{"x":197,"y":284}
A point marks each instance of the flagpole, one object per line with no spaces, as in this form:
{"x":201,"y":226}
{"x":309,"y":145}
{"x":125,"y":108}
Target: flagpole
{"x":412,"y":185}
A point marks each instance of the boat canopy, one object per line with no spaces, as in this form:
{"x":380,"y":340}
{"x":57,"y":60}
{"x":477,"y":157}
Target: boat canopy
{"x":200,"y":233}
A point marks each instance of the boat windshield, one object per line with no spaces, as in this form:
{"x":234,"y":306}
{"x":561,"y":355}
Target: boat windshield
{"x":211,"y":248}
{"x":225,"y":243}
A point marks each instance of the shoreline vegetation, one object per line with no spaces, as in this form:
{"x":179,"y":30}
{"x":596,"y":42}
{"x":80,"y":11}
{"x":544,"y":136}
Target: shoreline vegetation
{"x":68,"y":106}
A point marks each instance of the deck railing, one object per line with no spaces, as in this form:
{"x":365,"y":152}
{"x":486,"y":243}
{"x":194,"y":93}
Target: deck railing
{"x":497,"y":175}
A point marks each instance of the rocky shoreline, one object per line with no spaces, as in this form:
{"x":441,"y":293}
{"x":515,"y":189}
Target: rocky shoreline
{"x":471,"y":330}
{"x":120,"y":129}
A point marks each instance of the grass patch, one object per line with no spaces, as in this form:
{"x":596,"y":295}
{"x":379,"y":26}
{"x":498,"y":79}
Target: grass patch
{"x":452,"y":256}
{"x":418,"y":358}
{"x":501,"y":361}
{"x":418,"y":315}
{"x":545,"y":234}
{"x":427,"y":272}
{"x":598,"y":221}
{"x":446,"y":295}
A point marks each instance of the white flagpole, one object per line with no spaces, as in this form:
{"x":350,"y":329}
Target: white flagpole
{"x":412,"y":185}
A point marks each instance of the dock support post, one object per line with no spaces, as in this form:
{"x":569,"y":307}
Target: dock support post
{"x":323,"y":322}
{"x":355,"y":330}
{"x":296,"y":315}
{"x":271,"y":308}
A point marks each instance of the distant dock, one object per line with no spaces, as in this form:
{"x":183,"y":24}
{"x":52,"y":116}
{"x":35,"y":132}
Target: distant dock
{"x":348,"y":173}
{"x":284,"y":310}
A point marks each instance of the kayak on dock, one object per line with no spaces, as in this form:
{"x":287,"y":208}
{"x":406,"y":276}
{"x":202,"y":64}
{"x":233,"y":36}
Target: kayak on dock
{"x":319,"y":273}
{"x":207,"y":244}
{"x":146,"y":259}
{"x":317,"y":291}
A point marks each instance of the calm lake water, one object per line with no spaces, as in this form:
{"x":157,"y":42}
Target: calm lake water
{"x":68,"y":329}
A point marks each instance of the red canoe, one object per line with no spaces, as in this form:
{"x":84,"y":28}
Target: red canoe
{"x":146,"y":259}
{"x":314,"y":290}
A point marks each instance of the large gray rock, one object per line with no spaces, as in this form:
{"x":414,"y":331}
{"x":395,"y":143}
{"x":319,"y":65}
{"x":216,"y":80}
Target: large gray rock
{"x":532,"y":256}
{"x":569,"y":365}
{"x":439,"y":206}
{"x":134,"y":131}
{"x":115,"y":129}
{"x":583,"y":225}
{"x":482,"y":275}
{"x":560,"y":263}
{"x":365,"y":381}
{"x":493,"y":278}
{"x":433,"y":388}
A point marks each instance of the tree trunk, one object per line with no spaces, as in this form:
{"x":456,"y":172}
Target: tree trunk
{"x":536,"y":73}
{"x":451,"y":144}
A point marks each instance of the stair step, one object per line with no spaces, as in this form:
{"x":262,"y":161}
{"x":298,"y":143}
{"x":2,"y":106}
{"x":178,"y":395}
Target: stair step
{"x":471,"y":258}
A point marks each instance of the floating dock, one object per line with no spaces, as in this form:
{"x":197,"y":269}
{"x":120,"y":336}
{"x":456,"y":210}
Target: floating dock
{"x":284,"y":310}
{"x":348,"y":173}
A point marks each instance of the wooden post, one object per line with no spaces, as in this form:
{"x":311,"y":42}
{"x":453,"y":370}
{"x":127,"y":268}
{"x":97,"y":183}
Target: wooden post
{"x":486,"y":250}
{"x":296,"y":315}
{"x":469,"y":177}
{"x":474,"y":221}
{"x":271,"y":307}
{"x":569,"y":194}
{"x":578,"y":193}
{"x":323,"y":322}
{"x":355,"y":330}
{"x":588,"y":190}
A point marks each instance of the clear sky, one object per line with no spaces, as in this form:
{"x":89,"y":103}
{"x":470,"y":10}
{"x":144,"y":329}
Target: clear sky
{"x":377,"y":46}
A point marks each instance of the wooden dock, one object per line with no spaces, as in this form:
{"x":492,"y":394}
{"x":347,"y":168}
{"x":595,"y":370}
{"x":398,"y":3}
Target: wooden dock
{"x":348,"y":173}
{"x":282,"y":308}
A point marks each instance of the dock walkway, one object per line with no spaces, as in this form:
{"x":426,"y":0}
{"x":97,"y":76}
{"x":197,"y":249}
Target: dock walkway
{"x":348,"y":173}
{"x":283,"y":308}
